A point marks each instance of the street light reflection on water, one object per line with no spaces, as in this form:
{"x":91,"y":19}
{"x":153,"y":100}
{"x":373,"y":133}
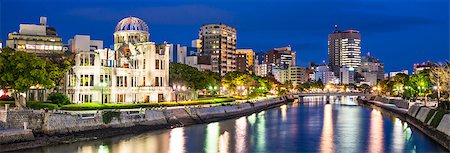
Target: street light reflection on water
{"x":303,"y":127}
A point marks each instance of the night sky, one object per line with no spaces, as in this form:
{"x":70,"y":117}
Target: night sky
{"x":400,"y":33}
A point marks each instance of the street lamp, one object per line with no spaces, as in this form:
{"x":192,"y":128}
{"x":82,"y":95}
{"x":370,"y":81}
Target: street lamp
{"x":102,"y":85}
{"x":438,"y":89}
{"x":177,"y":89}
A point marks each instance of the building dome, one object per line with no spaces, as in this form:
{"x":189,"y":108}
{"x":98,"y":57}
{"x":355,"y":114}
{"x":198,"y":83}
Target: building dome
{"x":131,"y":23}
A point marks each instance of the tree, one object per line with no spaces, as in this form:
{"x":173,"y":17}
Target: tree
{"x":20,"y":70}
{"x":192,"y":77}
{"x":440,"y":77}
{"x":418,"y":85}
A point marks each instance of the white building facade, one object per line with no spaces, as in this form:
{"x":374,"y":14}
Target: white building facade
{"x":137,"y":70}
{"x":84,"y":43}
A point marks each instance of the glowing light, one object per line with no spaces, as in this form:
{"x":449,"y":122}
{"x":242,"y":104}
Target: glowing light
{"x":398,"y":141}
{"x":103,"y":149}
{"x":241,"y":134}
{"x":223,"y":143}
{"x":376,"y":132}
{"x":326,"y":140}
{"x":212,"y":137}
{"x":176,"y":141}
{"x":283,"y":113}
{"x":261,"y":130}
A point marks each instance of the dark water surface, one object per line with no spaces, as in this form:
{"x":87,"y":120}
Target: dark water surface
{"x":311,"y":127}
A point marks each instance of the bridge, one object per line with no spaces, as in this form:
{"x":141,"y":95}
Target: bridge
{"x":327,"y":95}
{"x":296,"y":95}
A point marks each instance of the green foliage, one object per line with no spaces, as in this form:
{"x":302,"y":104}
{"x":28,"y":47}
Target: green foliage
{"x":255,"y":85}
{"x":108,"y":116}
{"x":41,"y":105}
{"x":437,"y":119}
{"x":58,"y":98}
{"x":192,"y":77}
{"x":310,"y":85}
{"x":417,"y":85}
{"x":20,"y":70}
{"x":11,"y":103}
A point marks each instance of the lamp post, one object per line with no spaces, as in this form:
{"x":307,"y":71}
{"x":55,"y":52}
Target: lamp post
{"x":177,"y":89}
{"x":438,"y":89}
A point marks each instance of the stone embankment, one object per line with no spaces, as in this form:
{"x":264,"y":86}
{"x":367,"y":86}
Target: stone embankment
{"x":432,"y":122}
{"x":46,"y":128}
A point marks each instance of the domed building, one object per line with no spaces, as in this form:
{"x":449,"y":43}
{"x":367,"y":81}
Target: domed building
{"x":137,"y":70}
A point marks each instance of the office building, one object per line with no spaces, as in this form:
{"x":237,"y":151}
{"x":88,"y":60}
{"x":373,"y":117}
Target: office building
{"x":280,"y":57}
{"x":324,"y":74}
{"x":347,"y":75}
{"x":298,"y":75}
{"x":344,"y":49}
{"x":393,"y":74}
{"x":250,"y":57}
{"x":137,"y":70}
{"x":371,"y":69}
{"x":218,"y":44}
{"x":40,"y":39}
{"x":281,"y":75}
{"x":84,"y":43}
{"x":241,"y":63}
{"x":419,"y":67}
{"x":261,"y":70}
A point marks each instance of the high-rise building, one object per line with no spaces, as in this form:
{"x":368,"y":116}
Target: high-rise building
{"x":298,"y":75}
{"x":137,"y":70}
{"x":280,"y":58}
{"x":346,"y":75}
{"x":84,"y":43}
{"x":281,"y":75}
{"x":344,"y":50}
{"x":36,"y":38}
{"x":261,"y":70}
{"x":219,"y":46}
{"x":250,"y":57}
{"x":371,"y":69}
{"x":324,"y":74}
{"x":241,"y":63}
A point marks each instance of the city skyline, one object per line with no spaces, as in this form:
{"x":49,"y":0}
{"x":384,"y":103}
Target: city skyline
{"x":414,"y":32}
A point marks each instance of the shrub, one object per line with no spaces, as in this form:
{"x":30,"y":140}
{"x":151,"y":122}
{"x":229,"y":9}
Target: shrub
{"x":11,"y":103}
{"x":84,"y":106}
{"x":41,"y":105}
{"x":109,"y":115}
{"x":58,"y":98}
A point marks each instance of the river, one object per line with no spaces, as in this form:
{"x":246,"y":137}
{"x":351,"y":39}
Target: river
{"x":313,"y":126}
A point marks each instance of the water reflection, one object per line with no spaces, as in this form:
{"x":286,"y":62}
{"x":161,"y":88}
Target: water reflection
{"x":326,"y":140}
{"x":212,"y":137}
{"x":176,"y":141}
{"x":241,"y":134}
{"x":291,"y":128}
{"x":283,"y":113}
{"x":398,"y":137}
{"x":376,"y":138}
{"x":261,"y":132}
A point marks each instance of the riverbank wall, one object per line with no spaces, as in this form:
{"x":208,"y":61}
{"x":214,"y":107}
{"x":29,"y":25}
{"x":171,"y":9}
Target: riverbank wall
{"x":55,"y":128}
{"x":432,"y":122}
